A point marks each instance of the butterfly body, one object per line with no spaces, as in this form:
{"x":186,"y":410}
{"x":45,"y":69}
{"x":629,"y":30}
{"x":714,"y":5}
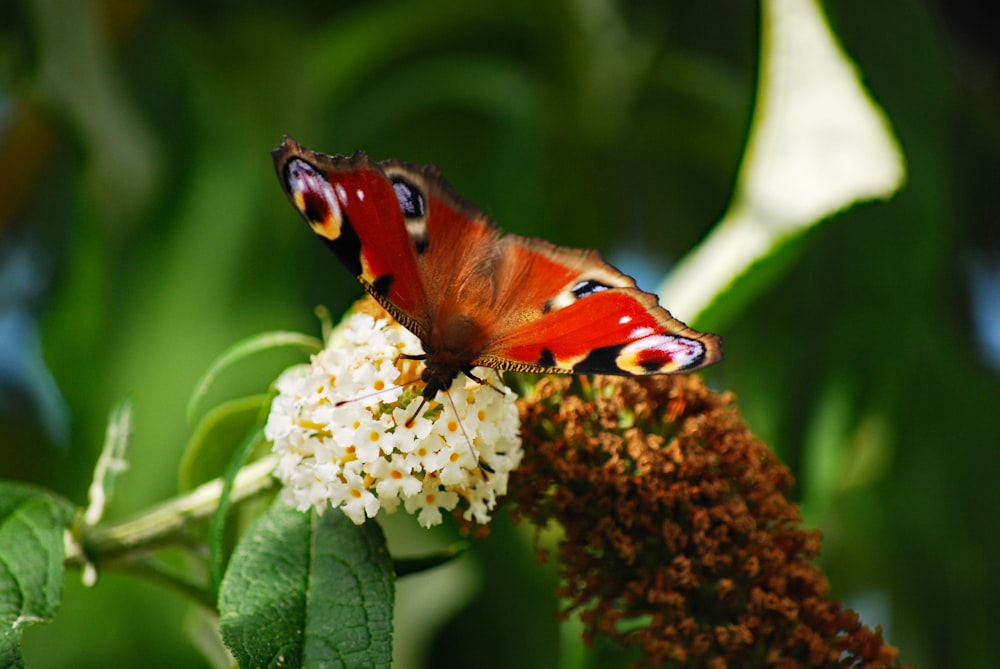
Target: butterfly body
{"x":475,"y":297}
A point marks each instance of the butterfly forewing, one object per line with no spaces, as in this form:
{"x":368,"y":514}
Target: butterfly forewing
{"x":352,"y":205}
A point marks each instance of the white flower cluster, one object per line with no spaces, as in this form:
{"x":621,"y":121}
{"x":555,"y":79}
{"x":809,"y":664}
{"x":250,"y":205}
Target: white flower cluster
{"x":362,"y":456}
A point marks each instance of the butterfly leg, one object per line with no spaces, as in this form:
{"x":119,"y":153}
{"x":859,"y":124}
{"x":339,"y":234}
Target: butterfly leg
{"x":413,"y":416}
{"x":484,"y":469}
{"x":481,"y":381}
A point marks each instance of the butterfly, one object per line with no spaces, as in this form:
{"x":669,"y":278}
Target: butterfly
{"x":473,"y":296}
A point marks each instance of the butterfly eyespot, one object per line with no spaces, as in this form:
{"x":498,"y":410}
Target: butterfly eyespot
{"x":588,"y":287}
{"x":414,"y":207}
{"x":410,"y":199}
{"x":315,"y":209}
{"x":315,"y":198}
{"x":578,"y":291}
{"x":660,"y":353}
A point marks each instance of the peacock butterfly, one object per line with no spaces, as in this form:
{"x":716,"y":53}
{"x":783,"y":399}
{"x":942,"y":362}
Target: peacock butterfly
{"x":475,"y":297}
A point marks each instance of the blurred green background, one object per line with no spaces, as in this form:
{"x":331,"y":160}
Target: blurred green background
{"x":142,"y":231}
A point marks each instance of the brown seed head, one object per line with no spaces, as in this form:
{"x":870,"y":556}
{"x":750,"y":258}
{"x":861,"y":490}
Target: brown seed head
{"x":679,"y":535}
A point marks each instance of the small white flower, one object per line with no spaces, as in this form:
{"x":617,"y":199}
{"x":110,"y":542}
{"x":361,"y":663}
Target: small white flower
{"x":406,"y":437}
{"x":373,"y":453}
{"x":359,"y":502}
{"x":429,"y":502}
{"x":369,"y":439}
{"x":394,"y":481}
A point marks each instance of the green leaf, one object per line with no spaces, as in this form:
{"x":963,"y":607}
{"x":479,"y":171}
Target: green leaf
{"x":308,"y":590}
{"x":32,"y":523}
{"x":818,"y":144}
{"x":245,"y":348}
{"x":217,"y":436}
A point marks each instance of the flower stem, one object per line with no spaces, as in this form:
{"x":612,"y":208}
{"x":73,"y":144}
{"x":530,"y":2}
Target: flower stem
{"x":167,"y":523}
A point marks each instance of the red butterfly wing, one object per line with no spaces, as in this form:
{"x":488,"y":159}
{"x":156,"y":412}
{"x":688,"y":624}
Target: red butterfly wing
{"x":441,"y":268}
{"x":358,"y":212}
{"x":589,"y":319}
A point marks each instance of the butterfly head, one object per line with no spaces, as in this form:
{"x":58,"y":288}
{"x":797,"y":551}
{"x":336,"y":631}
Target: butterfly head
{"x":437,"y":379}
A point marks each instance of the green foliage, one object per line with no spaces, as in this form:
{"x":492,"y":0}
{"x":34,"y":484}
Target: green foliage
{"x":304,"y":590}
{"x":216,"y":537}
{"x":32,"y":523}
{"x":216,"y":439}
{"x":266,"y":341}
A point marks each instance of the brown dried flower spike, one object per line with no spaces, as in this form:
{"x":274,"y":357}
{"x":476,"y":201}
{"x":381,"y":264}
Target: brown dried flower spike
{"x":679,"y":537}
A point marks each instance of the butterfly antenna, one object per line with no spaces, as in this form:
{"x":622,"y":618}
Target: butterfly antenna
{"x":484,"y":470}
{"x":340,"y":403}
